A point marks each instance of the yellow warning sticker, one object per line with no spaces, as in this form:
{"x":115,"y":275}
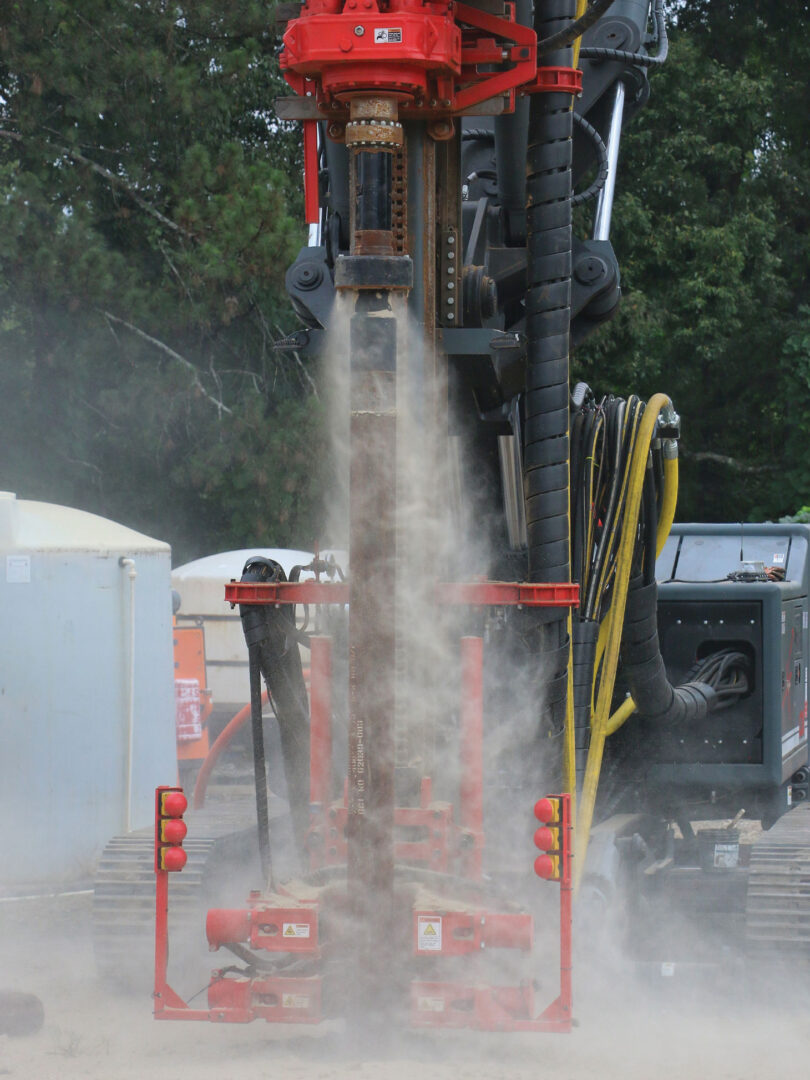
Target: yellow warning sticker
{"x":294,"y":1001}
{"x":296,"y":930}
{"x":428,"y":933}
{"x":430,"y":1004}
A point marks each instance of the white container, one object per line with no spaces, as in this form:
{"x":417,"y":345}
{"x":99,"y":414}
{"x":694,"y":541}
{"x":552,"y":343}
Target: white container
{"x":86,"y":688}
{"x":201,"y":587}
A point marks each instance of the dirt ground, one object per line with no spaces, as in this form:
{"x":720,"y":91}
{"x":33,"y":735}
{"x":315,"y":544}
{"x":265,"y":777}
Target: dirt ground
{"x":623,"y":1033}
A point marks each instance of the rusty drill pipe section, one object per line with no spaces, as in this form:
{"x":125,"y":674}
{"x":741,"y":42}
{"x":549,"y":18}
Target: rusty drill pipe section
{"x":372,"y":706}
{"x":373,"y":136}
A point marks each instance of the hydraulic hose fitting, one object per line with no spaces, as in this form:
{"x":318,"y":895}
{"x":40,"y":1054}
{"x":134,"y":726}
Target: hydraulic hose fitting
{"x":669,"y":424}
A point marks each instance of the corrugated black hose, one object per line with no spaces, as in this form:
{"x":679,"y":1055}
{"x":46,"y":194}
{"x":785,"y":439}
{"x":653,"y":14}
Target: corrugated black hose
{"x":643,"y":666}
{"x":548,"y":320}
{"x":642,"y":663}
{"x":271,"y":636}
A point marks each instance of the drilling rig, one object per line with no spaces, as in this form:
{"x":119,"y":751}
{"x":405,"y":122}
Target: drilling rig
{"x":501,"y":618}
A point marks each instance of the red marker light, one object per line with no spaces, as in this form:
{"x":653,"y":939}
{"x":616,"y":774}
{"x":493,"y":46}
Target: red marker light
{"x":547,"y":839}
{"x":173,"y":831}
{"x":547,"y":810}
{"x":173,"y":804}
{"x":547,"y":866}
{"x":172,"y":858}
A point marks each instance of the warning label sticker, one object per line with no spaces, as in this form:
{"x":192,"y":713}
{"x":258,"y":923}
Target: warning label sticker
{"x":295,"y":929}
{"x":390,"y":36}
{"x":294,"y":1001}
{"x":429,"y":933}
{"x":726,"y":856}
{"x":430,"y":1004}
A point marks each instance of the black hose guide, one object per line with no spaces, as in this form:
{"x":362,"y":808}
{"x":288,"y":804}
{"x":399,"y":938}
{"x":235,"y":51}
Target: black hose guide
{"x":272,"y":632}
{"x":548,"y":317}
{"x":548,"y":324}
{"x":259,"y":765}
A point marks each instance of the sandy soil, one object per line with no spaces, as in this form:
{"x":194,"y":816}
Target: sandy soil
{"x":627,"y":1034}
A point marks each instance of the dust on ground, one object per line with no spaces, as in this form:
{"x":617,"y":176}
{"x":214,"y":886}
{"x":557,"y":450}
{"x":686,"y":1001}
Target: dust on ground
{"x":92,"y":1033}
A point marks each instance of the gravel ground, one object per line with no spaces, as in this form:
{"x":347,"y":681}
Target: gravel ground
{"x":623,"y":1032}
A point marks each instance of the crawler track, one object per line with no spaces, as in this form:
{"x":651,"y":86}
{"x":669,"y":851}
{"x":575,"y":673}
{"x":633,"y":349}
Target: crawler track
{"x":777,"y":915}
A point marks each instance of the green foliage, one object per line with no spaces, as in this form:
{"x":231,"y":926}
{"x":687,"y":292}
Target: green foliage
{"x":801,"y":517}
{"x":149,"y":206}
{"x":712,"y":240}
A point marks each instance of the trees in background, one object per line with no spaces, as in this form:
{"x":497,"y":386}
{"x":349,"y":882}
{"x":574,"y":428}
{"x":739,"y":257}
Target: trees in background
{"x":711,"y":231}
{"x":150,"y":204}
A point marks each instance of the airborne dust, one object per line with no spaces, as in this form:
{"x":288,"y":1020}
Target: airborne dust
{"x":627,"y":1029}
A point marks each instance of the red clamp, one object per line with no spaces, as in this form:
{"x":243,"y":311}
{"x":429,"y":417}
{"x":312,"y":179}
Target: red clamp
{"x":555,"y":80}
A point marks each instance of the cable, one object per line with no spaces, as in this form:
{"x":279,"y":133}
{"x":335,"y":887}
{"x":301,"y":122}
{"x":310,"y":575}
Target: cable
{"x":728,"y":672}
{"x":598,"y":183}
{"x":576,"y":29}
{"x":621,"y":585}
{"x":590,"y":52}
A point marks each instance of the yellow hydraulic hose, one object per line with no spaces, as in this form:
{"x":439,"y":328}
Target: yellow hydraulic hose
{"x":670,"y":497}
{"x":621,"y":584}
{"x":625,"y":710}
{"x":569,"y":748}
{"x":665,"y":519}
{"x":581,"y":7}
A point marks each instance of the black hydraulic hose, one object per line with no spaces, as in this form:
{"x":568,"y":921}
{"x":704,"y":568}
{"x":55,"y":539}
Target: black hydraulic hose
{"x":585,"y":637}
{"x":613,"y":436}
{"x":643,"y":665}
{"x":590,"y":52}
{"x":562,"y":38}
{"x":602,"y":158}
{"x":259,"y":766}
{"x":272,"y":631}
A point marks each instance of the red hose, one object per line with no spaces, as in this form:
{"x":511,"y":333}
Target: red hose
{"x":220,"y":743}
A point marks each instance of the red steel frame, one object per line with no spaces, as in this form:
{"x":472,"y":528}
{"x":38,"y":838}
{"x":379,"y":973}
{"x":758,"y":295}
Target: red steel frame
{"x":449,"y":846}
{"x":438,"y":59}
{"x":469,"y":593}
{"x":433,"y":1003}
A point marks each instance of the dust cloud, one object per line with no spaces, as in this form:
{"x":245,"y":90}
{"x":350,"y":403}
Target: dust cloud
{"x":623,"y":1034}
{"x":628,"y":1028}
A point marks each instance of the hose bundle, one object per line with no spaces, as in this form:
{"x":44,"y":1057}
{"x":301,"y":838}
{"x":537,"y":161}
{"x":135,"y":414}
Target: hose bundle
{"x":727,"y":672}
{"x":623,"y":480}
